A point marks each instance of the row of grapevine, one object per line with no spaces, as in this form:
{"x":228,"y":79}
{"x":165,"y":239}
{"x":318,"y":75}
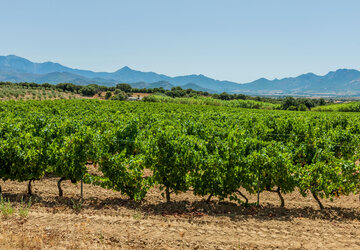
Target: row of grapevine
{"x":213,"y":151}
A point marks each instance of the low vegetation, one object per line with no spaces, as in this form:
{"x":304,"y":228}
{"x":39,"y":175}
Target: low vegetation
{"x":251,"y":104}
{"x":6,"y":207}
{"x":122,"y":91}
{"x":342,"y":107}
{"x":24,"y":207}
{"x":18,"y":92}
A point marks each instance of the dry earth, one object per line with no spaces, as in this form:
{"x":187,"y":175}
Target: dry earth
{"x":108,"y":220}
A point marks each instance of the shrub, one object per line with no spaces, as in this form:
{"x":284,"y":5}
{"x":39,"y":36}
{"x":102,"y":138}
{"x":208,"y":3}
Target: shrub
{"x":302,"y":107}
{"x":108,"y":95}
{"x":88,"y":91}
{"x":119,"y":97}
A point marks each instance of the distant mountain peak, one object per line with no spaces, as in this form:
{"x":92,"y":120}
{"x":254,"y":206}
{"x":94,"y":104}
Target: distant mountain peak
{"x":125,"y":68}
{"x":310,"y":74}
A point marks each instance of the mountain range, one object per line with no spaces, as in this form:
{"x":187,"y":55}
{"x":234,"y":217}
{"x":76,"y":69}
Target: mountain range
{"x":342,"y":82}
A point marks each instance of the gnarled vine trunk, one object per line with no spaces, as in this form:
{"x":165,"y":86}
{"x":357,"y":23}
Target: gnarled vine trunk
{"x":278,"y":191}
{"x":59,"y":186}
{"x":242,"y":195}
{"x":318,"y":200}
{"x":30,"y":187}
{"x":167,"y":193}
{"x":282,"y":201}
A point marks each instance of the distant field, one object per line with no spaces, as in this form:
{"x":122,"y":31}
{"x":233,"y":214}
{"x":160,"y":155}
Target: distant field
{"x":250,"y":104}
{"x":343,"y":107}
{"x":20,"y":93}
{"x":15,"y":92}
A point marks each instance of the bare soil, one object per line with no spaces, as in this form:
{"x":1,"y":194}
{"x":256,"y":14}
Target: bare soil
{"x":141,"y":95}
{"x":103,"y":94}
{"x":108,"y":220}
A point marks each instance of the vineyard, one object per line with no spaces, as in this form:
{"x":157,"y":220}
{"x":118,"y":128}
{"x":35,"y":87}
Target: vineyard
{"x":207,"y":150}
{"x":343,"y":107}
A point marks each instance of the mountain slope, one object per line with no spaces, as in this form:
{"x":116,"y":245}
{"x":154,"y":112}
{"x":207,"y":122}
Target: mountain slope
{"x":340,"y":82}
{"x":195,"y":87}
{"x":53,"y":78}
{"x":25,"y":69}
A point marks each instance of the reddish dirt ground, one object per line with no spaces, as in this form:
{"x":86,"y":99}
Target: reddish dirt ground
{"x":142,"y":95}
{"x":108,"y":220}
{"x":102,"y":95}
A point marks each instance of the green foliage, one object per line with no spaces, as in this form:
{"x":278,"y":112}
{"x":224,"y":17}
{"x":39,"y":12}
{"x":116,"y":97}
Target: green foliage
{"x":300,"y":104}
{"x":124,"y":87}
{"x":171,"y":154}
{"x":108,"y":95}
{"x":302,"y":107}
{"x":89,"y":91}
{"x":343,"y":107}
{"x":120,"y":96}
{"x":122,"y":168}
{"x":22,"y":153}
{"x":125,"y":174}
{"x":69,"y":152}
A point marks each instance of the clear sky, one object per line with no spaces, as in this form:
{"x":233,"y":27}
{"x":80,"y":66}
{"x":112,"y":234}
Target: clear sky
{"x":225,"y":39}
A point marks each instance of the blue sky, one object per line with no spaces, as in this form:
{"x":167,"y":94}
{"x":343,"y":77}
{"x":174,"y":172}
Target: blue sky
{"x":225,"y":39}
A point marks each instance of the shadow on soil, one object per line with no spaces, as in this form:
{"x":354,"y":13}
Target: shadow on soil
{"x":187,"y":209}
{"x":242,"y":213}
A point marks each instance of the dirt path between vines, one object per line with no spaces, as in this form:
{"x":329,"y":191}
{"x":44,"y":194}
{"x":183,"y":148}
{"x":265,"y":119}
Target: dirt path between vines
{"x":107,"y":220}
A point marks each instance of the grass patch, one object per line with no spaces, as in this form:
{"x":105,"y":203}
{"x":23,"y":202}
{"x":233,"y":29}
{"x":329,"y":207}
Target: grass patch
{"x":5,"y":207}
{"x":77,"y":205}
{"x":24,"y":207}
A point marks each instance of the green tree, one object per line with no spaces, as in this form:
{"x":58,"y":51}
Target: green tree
{"x":289,"y":102}
{"x":124,"y":87}
{"x":108,"y":95}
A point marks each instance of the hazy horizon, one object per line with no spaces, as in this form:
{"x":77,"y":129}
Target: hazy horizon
{"x":239,"y":41}
{"x":188,"y":74}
